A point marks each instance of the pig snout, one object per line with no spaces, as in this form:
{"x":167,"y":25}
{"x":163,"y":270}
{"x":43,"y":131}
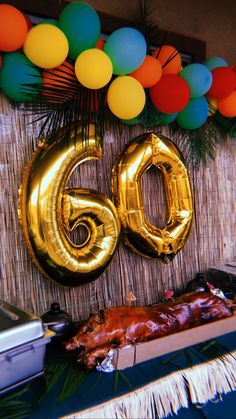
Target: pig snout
{"x":73,"y":345}
{"x":70,"y":346}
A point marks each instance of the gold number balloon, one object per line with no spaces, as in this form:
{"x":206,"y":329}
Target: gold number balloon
{"x":48,"y":212}
{"x":144,"y":238}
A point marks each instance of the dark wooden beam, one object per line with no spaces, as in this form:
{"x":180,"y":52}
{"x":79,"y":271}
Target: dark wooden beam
{"x":52,"y":8}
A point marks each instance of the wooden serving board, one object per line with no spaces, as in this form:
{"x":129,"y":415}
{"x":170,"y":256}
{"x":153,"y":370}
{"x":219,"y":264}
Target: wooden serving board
{"x":134,"y":354}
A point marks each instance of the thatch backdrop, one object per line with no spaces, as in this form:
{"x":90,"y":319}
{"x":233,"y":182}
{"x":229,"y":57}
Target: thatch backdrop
{"x":212,"y":240}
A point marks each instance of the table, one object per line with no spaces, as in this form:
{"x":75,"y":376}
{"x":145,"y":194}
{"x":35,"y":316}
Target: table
{"x":178,"y":383}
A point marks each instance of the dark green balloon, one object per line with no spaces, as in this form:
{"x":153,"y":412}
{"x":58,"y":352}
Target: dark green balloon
{"x":133,"y":121}
{"x":167,"y":118}
{"x":81,"y":25}
{"x":20,"y":79}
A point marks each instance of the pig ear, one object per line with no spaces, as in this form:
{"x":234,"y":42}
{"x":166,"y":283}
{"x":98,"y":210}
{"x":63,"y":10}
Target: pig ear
{"x":99,"y":317}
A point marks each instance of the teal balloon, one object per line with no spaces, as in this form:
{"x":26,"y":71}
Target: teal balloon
{"x":127,"y":49}
{"x":81,"y":25}
{"x":199,"y":79}
{"x":167,"y":118}
{"x":194,"y":115}
{"x":20,"y":79}
{"x":214,"y":62}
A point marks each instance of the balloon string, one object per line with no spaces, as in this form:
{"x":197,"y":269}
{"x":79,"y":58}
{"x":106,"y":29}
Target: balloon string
{"x":165,"y":277}
{"x":92,"y":290}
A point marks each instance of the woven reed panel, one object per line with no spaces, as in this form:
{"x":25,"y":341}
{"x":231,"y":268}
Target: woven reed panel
{"x":212,"y":240}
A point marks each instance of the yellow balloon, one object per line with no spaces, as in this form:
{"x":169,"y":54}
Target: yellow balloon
{"x":144,"y":238}
{"x":48,"y":212}
{"x":126,"y":97}
{"x":46,"y":46}
{"x":93,"y":68}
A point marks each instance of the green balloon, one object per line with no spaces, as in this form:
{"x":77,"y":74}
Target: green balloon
{"x":20,"y":79}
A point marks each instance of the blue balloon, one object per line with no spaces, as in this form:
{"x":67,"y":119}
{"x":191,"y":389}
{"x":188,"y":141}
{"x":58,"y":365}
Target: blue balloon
{"x":199,"y":79}
{"x":194,"y":115}
{"x":81,"y":25}
{"x":127,"y":49}
{"x":20,"y":79}
{"x":215,"y":62}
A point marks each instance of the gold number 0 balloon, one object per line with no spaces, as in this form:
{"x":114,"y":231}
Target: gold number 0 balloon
{"x":144,"y":238}
{"x":47,"y":211}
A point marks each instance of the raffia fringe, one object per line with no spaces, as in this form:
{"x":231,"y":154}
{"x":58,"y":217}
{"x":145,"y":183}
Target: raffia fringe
{"x":167,"y":395}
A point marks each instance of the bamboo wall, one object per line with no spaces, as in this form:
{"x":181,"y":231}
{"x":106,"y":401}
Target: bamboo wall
{"x":212,"y":240}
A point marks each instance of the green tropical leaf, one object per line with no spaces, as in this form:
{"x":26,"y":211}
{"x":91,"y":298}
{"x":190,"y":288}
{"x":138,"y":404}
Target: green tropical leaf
{"x":147,"y":25}
{"x":188,"y":357}
{"x":74,"y":376}
{"x":149,"y":116}
{"x":199,"y":145}
{"x":14,"y":409}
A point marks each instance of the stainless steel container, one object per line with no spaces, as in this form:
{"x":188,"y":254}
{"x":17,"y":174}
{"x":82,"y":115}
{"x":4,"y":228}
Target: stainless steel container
{"x":23,"y":342}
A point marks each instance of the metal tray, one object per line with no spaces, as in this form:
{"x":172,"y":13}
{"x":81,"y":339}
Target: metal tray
{"x":17,"y":327}
{"x":23,"y":363}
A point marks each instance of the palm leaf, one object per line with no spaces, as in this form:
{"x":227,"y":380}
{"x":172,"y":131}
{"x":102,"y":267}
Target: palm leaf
{"x":63,"y":108}
{"x":12,"y":408}
{"x":146,"y":24}
{"x":199,"y":144}
{"x":227,"y":125}
{"x":150,"y":116}
{"x":74,"y":377}
{"x":96,"y":382}
{"x":118,"y":375}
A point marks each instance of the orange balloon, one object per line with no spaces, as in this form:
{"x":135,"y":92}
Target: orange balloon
{"x":169,"y":58}
{"x":13,"y":28}
{"x":149,"y":72}
{"x":227,"y":105}
{"x":59,"y":84}
{"x":100,"y":44}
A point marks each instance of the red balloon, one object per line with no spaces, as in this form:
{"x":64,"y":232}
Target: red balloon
{"x":171,"y":94}
{"x":100,"y":43}
{"x":233,"y":67}
{"x":223,"y":82}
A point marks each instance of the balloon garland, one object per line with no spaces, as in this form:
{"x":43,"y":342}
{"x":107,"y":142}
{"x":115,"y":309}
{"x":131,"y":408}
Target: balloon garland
{"x":34,"y":64}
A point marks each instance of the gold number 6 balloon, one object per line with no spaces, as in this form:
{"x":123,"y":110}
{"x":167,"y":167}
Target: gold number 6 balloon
{"x":47,"y":211}
{"x":144,"y":238}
